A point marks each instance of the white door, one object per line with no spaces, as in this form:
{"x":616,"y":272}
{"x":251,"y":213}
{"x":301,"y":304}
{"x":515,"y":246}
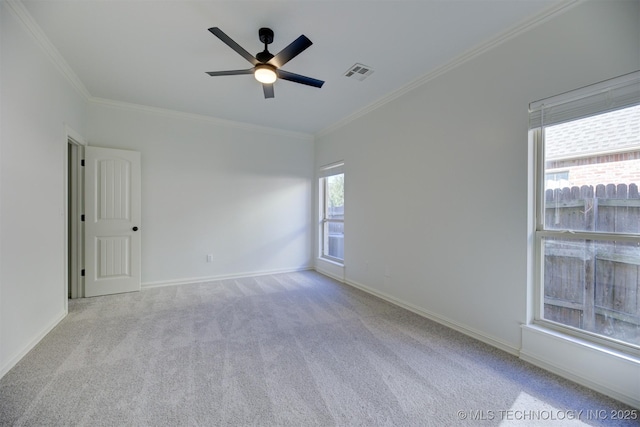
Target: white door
{"x":112,"y":221}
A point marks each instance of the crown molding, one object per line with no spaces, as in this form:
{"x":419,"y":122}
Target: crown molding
{"x":24,"y":17}
{"x":197,"y":117}
{"x":509,"y":34}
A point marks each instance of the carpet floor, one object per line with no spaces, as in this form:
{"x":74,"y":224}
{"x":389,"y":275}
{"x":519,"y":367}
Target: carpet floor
{"x":295,"y":349}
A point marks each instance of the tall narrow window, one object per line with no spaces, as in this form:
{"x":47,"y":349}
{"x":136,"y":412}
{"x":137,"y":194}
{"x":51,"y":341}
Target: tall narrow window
{"x":588,"y":211}
{"x":331,"y":233}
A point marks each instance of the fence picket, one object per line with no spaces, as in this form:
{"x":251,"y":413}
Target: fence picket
{"x":596,"y":288}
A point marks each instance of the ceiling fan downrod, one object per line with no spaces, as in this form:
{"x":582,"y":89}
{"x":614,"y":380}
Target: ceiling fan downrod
{"x":266,"y":37}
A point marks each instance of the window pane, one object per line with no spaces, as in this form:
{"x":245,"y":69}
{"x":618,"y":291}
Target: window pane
{"x":335,"y":239}
{"x":592,"y":172}
{"x":332,"y":227}
{"x":594,"y":286}
{"x":335,"y":196}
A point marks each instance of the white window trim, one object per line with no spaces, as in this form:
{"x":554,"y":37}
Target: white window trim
{"x":336,"y":168}
{"x":610,"y":95}
{"x":539,"y":235}
{"x":601,"y":368}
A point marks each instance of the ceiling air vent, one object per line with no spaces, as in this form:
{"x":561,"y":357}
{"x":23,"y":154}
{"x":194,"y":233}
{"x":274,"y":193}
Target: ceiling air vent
{"x":359,"y":72}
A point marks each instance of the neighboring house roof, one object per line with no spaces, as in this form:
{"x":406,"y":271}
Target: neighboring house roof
{"x":610,"y":132}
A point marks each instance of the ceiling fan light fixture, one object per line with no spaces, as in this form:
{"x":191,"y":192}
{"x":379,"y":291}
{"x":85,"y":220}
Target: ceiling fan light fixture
{"x":265,"y":74}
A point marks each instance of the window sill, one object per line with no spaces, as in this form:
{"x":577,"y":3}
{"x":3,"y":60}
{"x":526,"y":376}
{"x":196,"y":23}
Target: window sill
{"x":331,"y":261}
{"x":603,"y":369}
{"x":330,"y":268}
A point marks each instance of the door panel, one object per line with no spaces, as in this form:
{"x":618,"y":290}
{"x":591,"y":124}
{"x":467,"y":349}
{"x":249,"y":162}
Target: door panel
{"x":112,"y":211}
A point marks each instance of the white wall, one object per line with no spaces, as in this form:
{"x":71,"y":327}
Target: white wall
{"x":36,"y":103}
{"x":436,"y":199}
{"x":238,"y":192}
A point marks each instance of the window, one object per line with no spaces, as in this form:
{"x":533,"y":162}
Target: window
{"x":588,"y":212}
{"x":331,"y":190}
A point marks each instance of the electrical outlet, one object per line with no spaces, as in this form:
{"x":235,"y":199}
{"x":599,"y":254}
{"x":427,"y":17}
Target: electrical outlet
{"x":210,"y":258}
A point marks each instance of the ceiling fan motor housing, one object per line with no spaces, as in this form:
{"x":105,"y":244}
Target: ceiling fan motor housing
{"x":264,"y":56}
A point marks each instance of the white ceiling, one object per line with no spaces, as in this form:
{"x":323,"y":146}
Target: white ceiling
{"x":155,"y":53}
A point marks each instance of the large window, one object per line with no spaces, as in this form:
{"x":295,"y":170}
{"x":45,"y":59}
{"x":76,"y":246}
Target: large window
{"x":588,"y":212}
{"x":331,"y":233}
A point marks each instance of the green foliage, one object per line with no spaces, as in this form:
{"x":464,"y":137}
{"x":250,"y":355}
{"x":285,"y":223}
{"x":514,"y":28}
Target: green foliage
{"x":335,"y":186}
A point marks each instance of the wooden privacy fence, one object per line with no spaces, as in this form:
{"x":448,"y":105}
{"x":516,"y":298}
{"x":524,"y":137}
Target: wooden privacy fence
{"x":594,"y":285}
{"x":336,"y":232}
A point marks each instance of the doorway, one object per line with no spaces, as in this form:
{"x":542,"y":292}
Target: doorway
{"x":103,"y":207}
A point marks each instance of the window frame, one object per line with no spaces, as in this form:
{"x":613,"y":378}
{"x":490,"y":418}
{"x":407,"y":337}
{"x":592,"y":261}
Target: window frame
{"x":541,"y":233}
{"x":326,"y":172}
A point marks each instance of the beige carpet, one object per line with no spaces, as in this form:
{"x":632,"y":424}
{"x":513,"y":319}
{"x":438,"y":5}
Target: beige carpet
{"x":293,"y":349}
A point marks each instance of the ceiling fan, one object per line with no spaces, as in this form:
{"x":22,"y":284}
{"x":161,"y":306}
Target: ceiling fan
{"x":266,"y":66}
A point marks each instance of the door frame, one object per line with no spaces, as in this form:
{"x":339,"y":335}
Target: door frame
{"x":73,"y":283}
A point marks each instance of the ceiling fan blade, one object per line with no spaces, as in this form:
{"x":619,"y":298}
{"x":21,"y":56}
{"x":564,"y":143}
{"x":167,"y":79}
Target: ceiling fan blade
{"x":297,"y":78}
{"x":233,"y":45}
{"x":288,"y":53}
{"x":230,"y":72}
{"x":268,"y":90}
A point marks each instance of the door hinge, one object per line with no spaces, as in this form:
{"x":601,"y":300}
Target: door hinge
{"x":82,"y":217}
{"x":82,"y":162}
{"x":82,"y":272}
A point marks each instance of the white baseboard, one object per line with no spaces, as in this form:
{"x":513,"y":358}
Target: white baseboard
{"x":192,"y":280}
{"x":330,"y":269}
{"x":330,"y":274}
{"x":480,"y":336}
{"x":579,"y":379}
{"x":13,"y":361}
{"x":611,"y":373}
{"x":622,"y":388}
